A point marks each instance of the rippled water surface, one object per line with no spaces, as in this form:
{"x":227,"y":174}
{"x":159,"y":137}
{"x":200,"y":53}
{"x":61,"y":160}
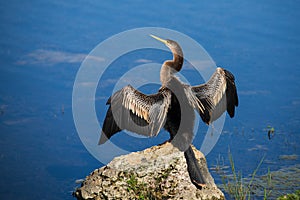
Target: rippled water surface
{"x":44,"y":42}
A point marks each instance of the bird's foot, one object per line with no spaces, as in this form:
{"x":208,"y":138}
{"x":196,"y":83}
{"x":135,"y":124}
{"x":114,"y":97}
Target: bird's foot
{"x":198,"y":185}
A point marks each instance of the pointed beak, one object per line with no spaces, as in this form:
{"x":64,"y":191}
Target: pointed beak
{"x":159,"y":39}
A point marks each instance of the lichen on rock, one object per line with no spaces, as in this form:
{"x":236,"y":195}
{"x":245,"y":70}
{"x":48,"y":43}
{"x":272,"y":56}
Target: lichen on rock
{"x":159,"y":172}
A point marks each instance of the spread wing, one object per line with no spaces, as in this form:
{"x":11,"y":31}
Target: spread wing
{"x":217,"y":95}
{"x":136,"y":112}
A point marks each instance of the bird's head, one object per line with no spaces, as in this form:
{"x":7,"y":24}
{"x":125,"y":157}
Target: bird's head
{"x":176,"y":50}
{"x":172,"y":45}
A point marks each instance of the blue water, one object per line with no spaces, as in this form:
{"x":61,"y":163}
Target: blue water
{"x":42,"y":46}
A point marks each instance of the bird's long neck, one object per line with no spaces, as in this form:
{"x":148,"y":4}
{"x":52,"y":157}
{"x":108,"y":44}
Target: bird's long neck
{"x":170,"y":67}
{"x":177,"y":60}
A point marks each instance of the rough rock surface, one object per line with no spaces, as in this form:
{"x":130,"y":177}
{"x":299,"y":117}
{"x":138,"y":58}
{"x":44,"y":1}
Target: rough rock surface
{"x":159,"y":172}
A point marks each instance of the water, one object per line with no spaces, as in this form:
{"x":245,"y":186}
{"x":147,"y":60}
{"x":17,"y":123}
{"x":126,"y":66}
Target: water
{"x":43,"y":44}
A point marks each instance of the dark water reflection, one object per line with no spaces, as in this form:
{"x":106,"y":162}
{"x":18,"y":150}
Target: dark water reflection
{"x":44,"y":42}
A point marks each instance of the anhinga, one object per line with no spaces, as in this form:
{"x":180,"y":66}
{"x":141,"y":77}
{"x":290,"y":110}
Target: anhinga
{"x":172,"y":107}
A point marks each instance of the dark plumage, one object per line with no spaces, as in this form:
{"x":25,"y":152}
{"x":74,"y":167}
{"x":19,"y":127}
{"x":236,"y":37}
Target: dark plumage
{"x":172,"y":108}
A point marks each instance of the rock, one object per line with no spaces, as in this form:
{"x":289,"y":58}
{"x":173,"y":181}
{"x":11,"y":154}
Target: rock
{"x":159,"y":172}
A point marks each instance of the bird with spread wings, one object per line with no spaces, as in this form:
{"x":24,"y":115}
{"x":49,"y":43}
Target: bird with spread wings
{"x":172,"y":107}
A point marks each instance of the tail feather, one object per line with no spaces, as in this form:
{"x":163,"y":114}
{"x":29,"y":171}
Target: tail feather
{"x":194,"y":168}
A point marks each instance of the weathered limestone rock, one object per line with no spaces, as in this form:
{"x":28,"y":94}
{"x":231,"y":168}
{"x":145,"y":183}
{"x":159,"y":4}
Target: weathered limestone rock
{"x":159,"y":172}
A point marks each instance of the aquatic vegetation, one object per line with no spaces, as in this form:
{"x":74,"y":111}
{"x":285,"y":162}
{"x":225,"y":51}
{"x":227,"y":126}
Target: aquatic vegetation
{"x":274,"y":184}
{"x":235,"y":185}
{"x":258,"y":148}
{"x":293,"y":196}
{"x":288,"y":157}
{"x":283,"y":181}
{"x":220,"y":165}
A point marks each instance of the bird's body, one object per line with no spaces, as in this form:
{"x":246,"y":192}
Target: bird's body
{"x":172,"y":108}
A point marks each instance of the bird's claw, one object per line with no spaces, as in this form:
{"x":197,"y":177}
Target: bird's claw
{"x":199,"y":185}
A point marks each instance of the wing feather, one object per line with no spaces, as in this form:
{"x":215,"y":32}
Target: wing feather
{"x":216,"y":96}
{"x":134,"y":111}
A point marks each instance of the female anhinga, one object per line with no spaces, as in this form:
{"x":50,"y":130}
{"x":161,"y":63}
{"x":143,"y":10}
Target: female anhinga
{"x":172,"y":107}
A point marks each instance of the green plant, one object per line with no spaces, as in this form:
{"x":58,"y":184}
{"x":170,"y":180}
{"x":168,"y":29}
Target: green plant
{"x":140,"y":189}
{"x":220,"y":164}
{"x":293,"y":196}
{"x":267,"y":190}
{"x":143,"y":191}
{"x":235,"y":185}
